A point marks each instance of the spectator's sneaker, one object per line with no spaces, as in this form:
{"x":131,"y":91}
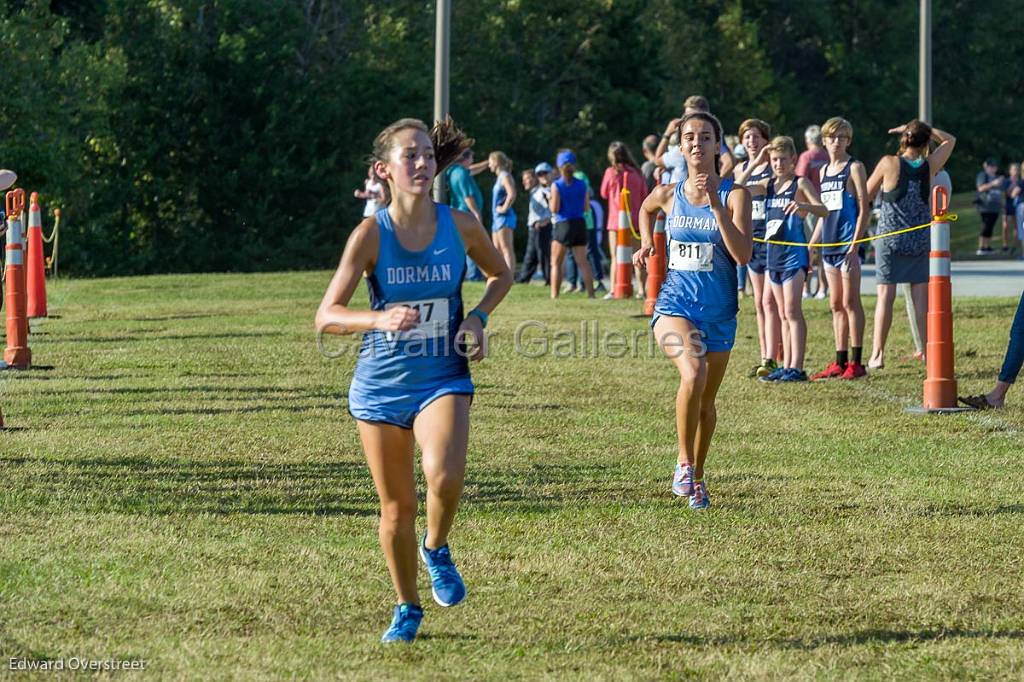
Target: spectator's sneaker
{"x":793,"y":374}
{"x":699,"y":499}
{"x":764,"y":369}
{"x":854,"y":370}
{"x":821,"y":295}
{"x":609,"y":296}
{"x":404,"y":624}
{"x":833,"y":371}
{"x":775,"y":375}
{"x":682,"y":481}
{"x":446,"y":583}
{"x":806,"y":295}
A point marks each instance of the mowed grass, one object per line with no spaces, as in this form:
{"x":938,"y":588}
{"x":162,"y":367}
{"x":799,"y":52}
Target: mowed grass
{"x":182,"y":484}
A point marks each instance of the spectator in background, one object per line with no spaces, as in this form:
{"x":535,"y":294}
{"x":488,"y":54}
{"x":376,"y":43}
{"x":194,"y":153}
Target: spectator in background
{"x":904,"y":181}
{"x":465,"y":195}
{"x":573,"y":274}
{"x":1017,"y":196}
{"x":1011,"y":192}
{"x":739,"y":152}
{"x":622,"y":172}
{"x":537,"y":183}
{"x":503,"y":216}
{"x":669,"y":154}
{"x":372,"y":192}
{"x":569,"y":203}
{"x":989,"y":202}
{"x":809,"y":166}
{"x":649,"y":169}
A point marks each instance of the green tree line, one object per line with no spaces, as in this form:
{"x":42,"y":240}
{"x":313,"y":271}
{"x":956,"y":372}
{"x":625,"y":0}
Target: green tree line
{"x":220,"y":135}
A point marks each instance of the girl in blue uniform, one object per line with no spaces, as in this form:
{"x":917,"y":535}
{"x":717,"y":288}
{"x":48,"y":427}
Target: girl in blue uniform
{"x":754,"y":135}
{"x":411,"y":383}
{"x":503,"y":217}
{"x":708,"y":225}
{"x":844,"y":191}
{"x":788,"y":200}
{"x":570,"y":198}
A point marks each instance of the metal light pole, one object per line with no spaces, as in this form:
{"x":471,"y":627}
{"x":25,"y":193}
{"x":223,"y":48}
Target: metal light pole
{"x":924,"y":112}
{"x":442,"y":44}
{"x":924,"y":92}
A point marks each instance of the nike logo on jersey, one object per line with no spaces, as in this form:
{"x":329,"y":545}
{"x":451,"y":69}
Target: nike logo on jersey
{"x":438,"y":252}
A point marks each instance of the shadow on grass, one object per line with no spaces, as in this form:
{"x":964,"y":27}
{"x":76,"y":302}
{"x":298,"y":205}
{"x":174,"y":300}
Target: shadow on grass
{"x":862,"y":637}
{"x":164,"y":337}
{"x":139,"y":485}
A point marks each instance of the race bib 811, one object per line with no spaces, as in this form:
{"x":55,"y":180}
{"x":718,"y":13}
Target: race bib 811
{"x":692,"y":256}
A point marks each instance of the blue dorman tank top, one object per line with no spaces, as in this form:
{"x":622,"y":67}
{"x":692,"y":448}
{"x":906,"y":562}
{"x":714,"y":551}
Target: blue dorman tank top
{"x":841,"y":222}
{"x":781,"y":227}
{"x":757,"y":203}
{"x":430,"y":281}
{"x":700,"y":284}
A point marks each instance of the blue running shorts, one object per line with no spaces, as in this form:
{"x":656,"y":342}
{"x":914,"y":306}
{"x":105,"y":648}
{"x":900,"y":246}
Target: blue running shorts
{"x":716,"y":336}
{"x":399,"y":405}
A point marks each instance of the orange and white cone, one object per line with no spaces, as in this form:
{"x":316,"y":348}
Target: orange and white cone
{"x":656,"y":265}
{"x":35,"y":263}
{"x":623,"y":250}
{"x":17,"y":353}
{"x":940,"y":384}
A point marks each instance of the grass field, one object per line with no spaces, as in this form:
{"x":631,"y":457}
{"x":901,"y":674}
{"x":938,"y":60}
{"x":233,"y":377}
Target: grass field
{"x":182,"y":484}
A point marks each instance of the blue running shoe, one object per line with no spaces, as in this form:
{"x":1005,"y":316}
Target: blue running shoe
{"x":446,"y":583}
{"x":404,"y":624}
{"x":682,"y":481}
{"x":793,"y":374}
{"x":774,"y":375}
{"x":699,"y":499}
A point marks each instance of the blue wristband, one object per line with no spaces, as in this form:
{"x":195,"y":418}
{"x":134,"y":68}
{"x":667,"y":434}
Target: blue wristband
{"x":481,"y":314}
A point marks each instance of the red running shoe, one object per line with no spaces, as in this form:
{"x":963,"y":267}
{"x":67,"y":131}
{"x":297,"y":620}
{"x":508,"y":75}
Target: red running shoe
{"x":854,"y":370}
{"x":833,"y":371}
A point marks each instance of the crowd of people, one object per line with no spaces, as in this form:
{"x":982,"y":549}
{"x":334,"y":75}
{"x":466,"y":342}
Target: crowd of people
{"x":758,"y":209}
{"x":1000,"y":195}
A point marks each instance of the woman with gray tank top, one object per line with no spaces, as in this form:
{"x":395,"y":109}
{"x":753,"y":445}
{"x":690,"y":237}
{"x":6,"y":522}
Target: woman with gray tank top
{"x":905,"y":182}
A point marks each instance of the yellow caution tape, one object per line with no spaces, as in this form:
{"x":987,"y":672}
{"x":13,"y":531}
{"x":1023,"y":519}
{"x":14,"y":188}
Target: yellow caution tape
{"x":946,"y":218}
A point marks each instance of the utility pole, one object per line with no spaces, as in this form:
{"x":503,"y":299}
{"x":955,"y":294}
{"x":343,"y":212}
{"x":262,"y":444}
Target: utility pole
{"x":442,"y":44}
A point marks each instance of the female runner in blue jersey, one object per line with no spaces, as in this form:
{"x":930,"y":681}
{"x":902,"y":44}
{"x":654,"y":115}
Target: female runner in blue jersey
{"x":708,"y":225}
{"x":844,"y":191}
{"x":411,"y":382}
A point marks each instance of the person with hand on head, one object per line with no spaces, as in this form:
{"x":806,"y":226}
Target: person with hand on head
{"x":789,"y":198}
{"x":757,"y":171}
{"x":905,"y":181}
{"x":411,"y":383}
{"x":668,"y":155}
{"x":844,"y":191}
{"x":372,"y":193}
{"x":708,"y":227}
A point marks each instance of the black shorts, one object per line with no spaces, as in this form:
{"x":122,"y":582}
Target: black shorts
{"x":571,"y":232}
{"x":988,"y":223}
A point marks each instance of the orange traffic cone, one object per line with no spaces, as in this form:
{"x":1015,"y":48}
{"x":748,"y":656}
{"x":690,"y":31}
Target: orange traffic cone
{"x":656,"y":265}
{"x":36,"y":270}
{"x":623,"y":249}
{"x":17,"y":353}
